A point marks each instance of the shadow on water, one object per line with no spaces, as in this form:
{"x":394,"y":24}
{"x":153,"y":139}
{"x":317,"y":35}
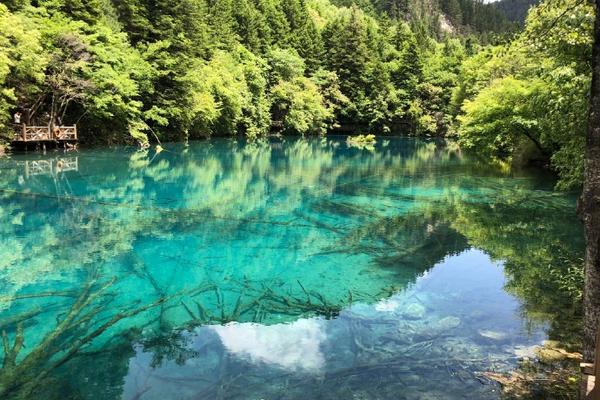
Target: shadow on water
{"x":289,"y":269}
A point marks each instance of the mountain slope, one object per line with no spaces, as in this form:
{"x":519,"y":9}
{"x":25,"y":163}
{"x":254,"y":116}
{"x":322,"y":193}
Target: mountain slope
{"x":515,"y":10}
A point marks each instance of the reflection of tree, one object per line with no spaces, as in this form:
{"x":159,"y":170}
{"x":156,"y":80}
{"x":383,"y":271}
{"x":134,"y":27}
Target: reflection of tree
{"x":407,"y":244}
{"x":71,"y":257}
{"x":76,"y":284}
{"x":540,"y":240}
{"x":534,"y":232}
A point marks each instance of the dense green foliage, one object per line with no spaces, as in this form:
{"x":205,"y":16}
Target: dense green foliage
{"x":528,"y":99}
{"x":140,"y":70}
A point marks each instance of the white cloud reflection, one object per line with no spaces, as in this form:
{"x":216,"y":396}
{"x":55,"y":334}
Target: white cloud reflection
{"x":387,"y":305}
{"x":295,"y":346}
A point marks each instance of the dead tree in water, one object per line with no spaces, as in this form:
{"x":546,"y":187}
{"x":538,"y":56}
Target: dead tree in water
{"x":77,"y":328}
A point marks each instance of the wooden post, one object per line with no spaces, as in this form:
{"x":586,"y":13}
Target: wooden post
{"x":590,"y":383}
{"x":595,"y":395}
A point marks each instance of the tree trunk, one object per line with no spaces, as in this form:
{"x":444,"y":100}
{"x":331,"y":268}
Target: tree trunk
{"x":591,"y":206}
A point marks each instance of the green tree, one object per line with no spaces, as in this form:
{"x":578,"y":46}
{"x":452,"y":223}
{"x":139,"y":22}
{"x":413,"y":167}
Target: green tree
{"x":503,"y":117}
{"x":21,"y":60}
{"x":550,"y":94}
{"x":350,"y":53}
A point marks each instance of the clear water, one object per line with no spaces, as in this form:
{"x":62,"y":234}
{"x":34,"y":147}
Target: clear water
{"x":294,"y":269}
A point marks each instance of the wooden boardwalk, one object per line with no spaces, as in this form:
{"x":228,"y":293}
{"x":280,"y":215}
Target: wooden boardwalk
{"x":29,"y":133}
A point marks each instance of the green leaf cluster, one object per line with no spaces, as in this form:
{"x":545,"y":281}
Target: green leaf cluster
{"x":528,"y":100}
{"x":141,"y":70}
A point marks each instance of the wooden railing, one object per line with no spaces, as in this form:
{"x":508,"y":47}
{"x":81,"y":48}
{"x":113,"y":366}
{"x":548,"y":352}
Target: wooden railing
{"x":29,"y":133}
{"x":35,"y":133}
{"x":65,"y":133}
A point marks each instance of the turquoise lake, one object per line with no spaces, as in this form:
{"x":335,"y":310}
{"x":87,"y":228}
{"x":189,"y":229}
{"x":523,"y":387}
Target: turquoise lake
{"x":288,"y":269}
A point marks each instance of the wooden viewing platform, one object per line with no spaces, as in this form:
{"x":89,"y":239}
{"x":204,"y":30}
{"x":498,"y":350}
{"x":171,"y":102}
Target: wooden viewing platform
{"x":29,"y":133}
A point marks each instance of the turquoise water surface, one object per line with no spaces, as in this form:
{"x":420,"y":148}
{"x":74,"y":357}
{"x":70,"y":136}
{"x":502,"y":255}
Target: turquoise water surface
{"x":289,"y":269}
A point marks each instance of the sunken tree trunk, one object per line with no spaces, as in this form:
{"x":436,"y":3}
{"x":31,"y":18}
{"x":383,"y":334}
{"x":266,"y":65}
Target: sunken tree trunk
{"x":591,"y":205}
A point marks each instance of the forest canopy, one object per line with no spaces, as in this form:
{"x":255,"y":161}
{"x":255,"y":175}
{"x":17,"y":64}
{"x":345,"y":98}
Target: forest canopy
{"x":134,"y":71}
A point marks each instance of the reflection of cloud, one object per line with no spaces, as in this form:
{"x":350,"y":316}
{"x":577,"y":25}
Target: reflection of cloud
{"x":387,"y":305}
{"x":291,"y":346}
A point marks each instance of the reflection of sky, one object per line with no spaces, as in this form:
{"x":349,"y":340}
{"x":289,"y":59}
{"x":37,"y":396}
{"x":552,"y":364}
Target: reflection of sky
{"x":291,"y":346}
{"x":259,"y":359}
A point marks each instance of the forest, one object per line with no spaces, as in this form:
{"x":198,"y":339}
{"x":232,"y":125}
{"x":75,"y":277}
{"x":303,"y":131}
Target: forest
{"x":135,"y":71}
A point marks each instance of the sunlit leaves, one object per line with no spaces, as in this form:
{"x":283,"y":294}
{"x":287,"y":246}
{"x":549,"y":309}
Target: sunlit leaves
{"x":550,"y":61}
{"x":496,"y":119}
{"x":301,"y":107}
{"x":21,"y":59}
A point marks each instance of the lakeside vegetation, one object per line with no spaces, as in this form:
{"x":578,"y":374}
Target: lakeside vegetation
{"x":137,"y":71}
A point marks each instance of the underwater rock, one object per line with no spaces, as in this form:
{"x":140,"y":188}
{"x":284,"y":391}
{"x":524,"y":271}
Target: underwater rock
{"x":414,"y":311}
{"x":493,"y":335}
{"x":458,"y":347}
{"x":412,"y":379}
{"x":478,"y":315}
{"x":525,"y":352}
{"x":445,"y":324}
{"x":431,"y":330}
